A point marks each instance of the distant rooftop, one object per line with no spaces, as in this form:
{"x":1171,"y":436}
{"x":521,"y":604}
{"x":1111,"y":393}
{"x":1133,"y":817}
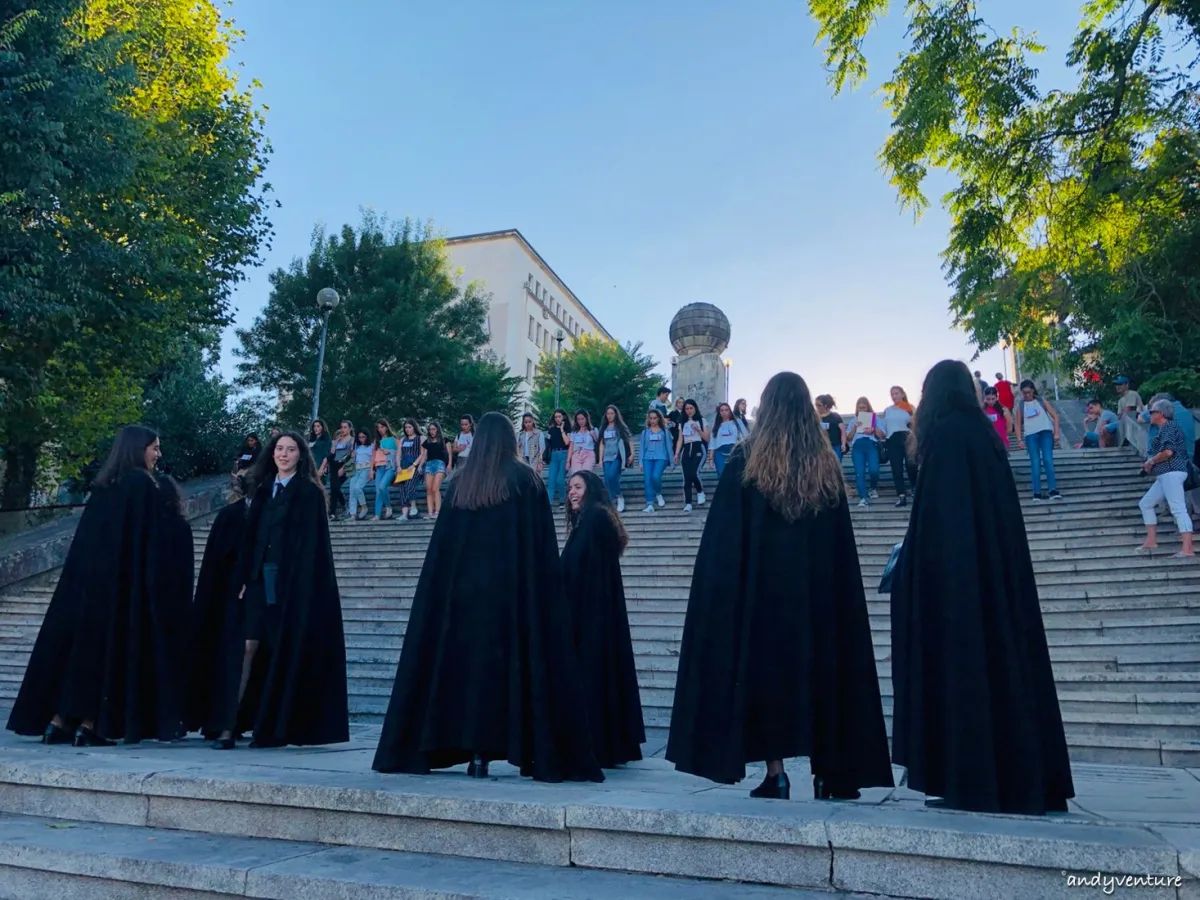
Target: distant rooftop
{"x":515,"y":233}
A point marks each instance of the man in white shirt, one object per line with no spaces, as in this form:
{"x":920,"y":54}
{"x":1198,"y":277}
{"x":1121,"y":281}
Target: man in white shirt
{"x":1129,"y":401}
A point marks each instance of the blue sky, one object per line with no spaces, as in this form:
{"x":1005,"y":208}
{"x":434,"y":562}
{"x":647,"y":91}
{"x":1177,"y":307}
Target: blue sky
{"x":655,"y":154}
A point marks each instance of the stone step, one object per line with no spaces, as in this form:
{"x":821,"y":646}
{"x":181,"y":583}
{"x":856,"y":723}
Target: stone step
{"x":48,"y":857}
{"x":290,"y":807}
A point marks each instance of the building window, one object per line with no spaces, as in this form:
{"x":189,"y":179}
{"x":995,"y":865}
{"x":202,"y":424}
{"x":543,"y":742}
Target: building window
{"x":531,"y":321}
{"x":538,"y":339}
{"x":529,"y":279}
{"x":537,"y":291}
{"x":529,"y":370}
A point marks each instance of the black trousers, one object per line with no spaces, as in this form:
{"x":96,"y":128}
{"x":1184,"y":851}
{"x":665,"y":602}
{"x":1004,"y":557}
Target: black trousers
{"x":691,"y":458}
{"x":898,"y":461}
{"x":337,"y":500}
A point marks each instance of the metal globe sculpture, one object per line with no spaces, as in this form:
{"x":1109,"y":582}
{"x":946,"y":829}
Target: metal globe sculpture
{"x":699,"y":328}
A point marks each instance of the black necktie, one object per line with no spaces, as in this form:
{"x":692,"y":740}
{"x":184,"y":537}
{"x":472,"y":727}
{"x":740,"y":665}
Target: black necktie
{"x":278,"y":488}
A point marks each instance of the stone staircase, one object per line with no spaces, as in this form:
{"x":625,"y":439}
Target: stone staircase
{"x":1124,"y":630}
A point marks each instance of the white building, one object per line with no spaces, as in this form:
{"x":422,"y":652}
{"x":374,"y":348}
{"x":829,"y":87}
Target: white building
{"x":529,"y":303}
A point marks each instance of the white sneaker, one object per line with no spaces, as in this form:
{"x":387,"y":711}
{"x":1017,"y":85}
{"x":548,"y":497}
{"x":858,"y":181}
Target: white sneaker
{"x":649,"y":508}
{"x":620,"y":504}
{"x":687,"y":507}
{"x":864,"y":504}
{"x":700,"y":498}
{"x":658,"y":498}
{"x":873,"y":494}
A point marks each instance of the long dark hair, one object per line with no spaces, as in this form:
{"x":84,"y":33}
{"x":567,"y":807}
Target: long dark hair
{"x":586,"y":415}
{"x":172,"y":497}
{"x":595,"y":496}
{"x":950,"y":391}
{"x":386,"y":427}
{"x":531,"y":419}
{"x":697,"y":418}
{"x":128,"y":454}
{"x":471,"y":421}
{"x":788,"y":457}
{"x":265,"y":469}
{"x":739,"y":412}
{"x":618,"y":422}
{"x":492,"y":472}
{"x":312,"y":435}
{"x":415,"y":427}
{"x":440,"y":439}
{"x":362,"y":432}
{"x":247,"y":448}
{"x":566,"y":420}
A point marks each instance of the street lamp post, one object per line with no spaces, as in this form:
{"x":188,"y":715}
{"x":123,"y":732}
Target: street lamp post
{"x":728,"y":364}
{"x":558,"y":337}
{"x":327,"y":301}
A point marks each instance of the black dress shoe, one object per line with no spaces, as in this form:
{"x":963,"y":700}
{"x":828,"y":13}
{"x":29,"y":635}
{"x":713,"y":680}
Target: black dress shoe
{"x":55,"y":735}
{"x":774,"y":787}
{"x":224,"y":744}
{"x":85,"y":737}
{"x":477,"y":768}
{"x":830,"y":789}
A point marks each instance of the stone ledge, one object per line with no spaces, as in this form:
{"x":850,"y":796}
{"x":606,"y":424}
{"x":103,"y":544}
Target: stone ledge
{"x":688,"y":831}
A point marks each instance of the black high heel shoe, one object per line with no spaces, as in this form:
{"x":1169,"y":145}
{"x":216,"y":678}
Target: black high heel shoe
{"x":828,"y":789}
{"x":55,"y":735}
{"x":477,"y":768}
{"x":774,"y":787}
{"x":85,"y":737}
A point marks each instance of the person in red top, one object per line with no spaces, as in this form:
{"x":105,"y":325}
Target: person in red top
{"x":1005,"y":396}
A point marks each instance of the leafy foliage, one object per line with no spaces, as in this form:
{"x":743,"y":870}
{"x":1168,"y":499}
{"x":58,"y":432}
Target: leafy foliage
{"x":405,"y":341}
{"x":595,"y":373}
{"x":130,"y":200}
{"x":1076,"y":214}
{"x":199,"y":422}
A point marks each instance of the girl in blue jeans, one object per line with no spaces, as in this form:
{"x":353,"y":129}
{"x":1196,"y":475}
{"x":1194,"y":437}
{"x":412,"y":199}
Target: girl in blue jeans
{"x":615,"y":451}
{"x":1037,"y":432}
{"x":654,"y":451}
{"x":864,"y":450}
{"x":557,"y":445}
{"x":385,"y":468}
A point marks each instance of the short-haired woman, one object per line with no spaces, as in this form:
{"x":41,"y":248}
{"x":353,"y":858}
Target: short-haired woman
{"x":592,"y":585}
{"x":488,"y":668}
{"x":777,"y":659}
{"x":1167,"y":460}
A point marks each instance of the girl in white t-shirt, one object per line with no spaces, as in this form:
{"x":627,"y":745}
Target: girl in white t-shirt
{"x":462,"y":443}
{"x":690,"y":451}
{"x":582,"y":453}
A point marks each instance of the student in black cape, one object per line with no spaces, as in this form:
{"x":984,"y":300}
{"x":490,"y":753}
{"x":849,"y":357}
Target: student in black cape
{"x":216,"y":646}
{"x":976,"y":718}
{"x":591,"y":567}
{"x":176,"y":580}
{"x":488,"y":668}
{"x":777,"y":659}
{"x":293,"y":677}
{"x":97,"y":672}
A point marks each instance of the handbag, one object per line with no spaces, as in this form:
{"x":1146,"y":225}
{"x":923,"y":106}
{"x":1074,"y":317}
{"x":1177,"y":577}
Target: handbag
{"x":885,"y":582}
{"x":405,"y":475}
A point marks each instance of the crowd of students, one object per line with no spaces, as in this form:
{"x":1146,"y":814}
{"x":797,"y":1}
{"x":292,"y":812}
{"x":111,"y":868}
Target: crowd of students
{"x":514,"y":651}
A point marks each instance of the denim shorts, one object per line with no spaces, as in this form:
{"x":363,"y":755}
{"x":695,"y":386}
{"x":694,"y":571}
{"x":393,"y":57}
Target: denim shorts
{"x":435,"y":467}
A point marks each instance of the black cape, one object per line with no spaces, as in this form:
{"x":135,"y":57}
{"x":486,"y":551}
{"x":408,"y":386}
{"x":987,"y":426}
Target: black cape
{"x":591,"y":563}
{"x":488,"y":664}
{"x":104,"y":651}
{"x":216,"y":646}
{"x":976,"y":718}
{"x":777,"y":659}
{"x":297,"y":690}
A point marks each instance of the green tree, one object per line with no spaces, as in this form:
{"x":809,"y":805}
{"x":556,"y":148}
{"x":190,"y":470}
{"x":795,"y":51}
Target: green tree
{"x":130,"y":200}
{"x":595,"y":373}
{"x":405,"y":341}
{"x":200,"y":423}
{"x":1075,"y":214}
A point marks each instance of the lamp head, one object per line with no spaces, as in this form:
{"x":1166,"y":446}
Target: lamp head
{"x":328,"y":299}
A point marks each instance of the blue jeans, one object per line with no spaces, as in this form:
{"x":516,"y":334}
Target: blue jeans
{"x":865,"y":453}
{"x":358,"y":499}
{"x":652,"y":476}
{"x":720,"y":456}
{"x":383,"y":484}
{"x":612,"y":477}
{"x":558,"y":474}
{"x":1041,"y":453}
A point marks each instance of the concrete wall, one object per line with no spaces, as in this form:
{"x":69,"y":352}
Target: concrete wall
{"x":701,"y":377}
{"x":528,"y":302}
